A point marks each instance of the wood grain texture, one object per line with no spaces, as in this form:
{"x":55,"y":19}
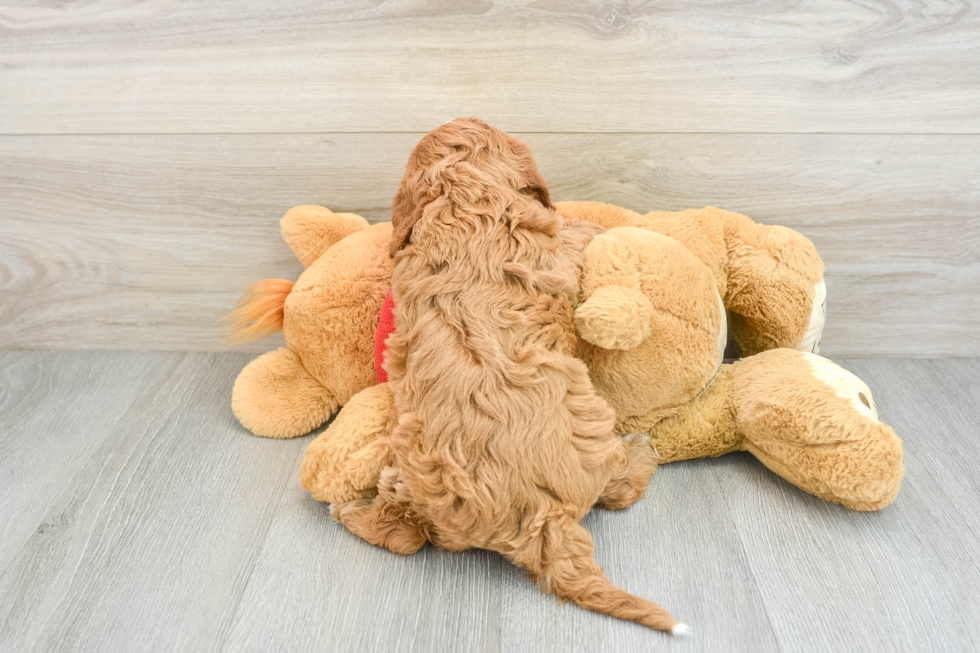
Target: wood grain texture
{"x":144,"y":242}
{"x":175,"y":530}
{"x":327,"y":590}
{"x":315,"y":572}
{"x":150,"y":544}
{"x":55,"y":412}
{"x":551,"y":65}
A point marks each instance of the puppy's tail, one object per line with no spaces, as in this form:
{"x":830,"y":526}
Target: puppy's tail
{"x":559,"y":557}
{"x":260,"y":311}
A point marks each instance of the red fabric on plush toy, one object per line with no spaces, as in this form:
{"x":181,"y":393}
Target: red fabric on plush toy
{"x":385,"y":326}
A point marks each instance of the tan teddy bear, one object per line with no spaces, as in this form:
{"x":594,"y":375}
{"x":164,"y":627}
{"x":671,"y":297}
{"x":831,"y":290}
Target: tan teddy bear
{"x":652,"y":328}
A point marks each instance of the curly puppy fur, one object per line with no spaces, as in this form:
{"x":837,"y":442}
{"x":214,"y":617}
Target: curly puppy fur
{"x":500,"y":443}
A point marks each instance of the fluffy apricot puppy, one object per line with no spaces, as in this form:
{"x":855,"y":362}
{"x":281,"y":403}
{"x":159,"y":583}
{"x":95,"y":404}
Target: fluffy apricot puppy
{"x":501,"y":442}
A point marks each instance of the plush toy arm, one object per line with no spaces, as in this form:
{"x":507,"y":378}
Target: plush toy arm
{"x":770,"y":277}
{"x":606,"y":215}
{"x":615,"y":313}
{"x":311,"y":230}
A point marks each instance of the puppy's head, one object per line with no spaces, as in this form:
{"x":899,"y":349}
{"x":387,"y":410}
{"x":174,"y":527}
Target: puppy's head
{"x":460,"y":161}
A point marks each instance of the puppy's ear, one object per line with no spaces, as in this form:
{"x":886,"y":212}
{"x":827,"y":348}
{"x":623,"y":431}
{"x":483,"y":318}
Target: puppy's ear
{"x":535,"y":186}
{"x":538,"y":189}
{"x":404,"y":214}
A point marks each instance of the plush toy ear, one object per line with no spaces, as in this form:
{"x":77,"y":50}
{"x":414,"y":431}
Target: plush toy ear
{"x":311,"y":230}
{"x":614,"y":317}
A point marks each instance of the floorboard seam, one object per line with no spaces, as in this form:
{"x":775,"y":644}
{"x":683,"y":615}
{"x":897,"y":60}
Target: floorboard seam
{"x":745,"y":556}
{"x":84,"y":548}
{"x":95,"y":450}
{"x":233,"y":616}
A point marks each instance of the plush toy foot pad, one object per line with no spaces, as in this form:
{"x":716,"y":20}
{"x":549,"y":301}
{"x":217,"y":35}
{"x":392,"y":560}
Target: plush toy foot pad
{"x":275,"y":397}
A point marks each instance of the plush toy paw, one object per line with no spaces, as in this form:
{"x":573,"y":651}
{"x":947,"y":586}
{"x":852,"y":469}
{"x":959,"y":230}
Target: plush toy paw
{"x":345,"y":461}
{"x":651,"y":324}
{"x":276,"y":397}
{"x":815,"y":424}
{"x":774,"y":280}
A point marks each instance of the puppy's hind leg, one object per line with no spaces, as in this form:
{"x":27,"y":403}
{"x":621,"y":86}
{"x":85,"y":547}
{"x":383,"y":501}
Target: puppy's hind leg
{"x":379,"y":524}
{"x":558,"y":552}
{"x":380,"y":521}
{"x":629,"y":482}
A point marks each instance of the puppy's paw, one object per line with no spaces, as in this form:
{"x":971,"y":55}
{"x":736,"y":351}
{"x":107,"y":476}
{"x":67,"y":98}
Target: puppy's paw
{"x":338,"y":511}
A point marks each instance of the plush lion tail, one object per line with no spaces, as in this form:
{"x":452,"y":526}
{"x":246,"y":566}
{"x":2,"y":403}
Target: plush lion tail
{"x":260,"y":311}
{"x":561,"y":562}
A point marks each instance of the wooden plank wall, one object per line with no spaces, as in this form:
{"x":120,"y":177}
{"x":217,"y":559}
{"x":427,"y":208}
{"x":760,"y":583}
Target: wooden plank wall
{"x":147,"y":150}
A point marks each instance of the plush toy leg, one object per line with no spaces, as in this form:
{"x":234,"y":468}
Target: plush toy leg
{"x":701,"y":428}
{"x":607,"y":215}
{"x":805,"y":418}
{"x":345,"y":461}
{"x":775,"y":295}
{"x":275,"y":397}
{"x":815,"y":424}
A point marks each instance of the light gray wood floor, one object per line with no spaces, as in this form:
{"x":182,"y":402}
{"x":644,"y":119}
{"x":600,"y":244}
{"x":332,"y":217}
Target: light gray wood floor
{"x":136,"y":514}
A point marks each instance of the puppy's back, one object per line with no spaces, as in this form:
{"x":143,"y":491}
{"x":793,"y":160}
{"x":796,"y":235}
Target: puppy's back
{"x":499,"y":415}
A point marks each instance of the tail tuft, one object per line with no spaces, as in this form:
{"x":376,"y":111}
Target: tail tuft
{"x":260,"y":311}
{"x":681,"y":630}
{"x":559,"y":558}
